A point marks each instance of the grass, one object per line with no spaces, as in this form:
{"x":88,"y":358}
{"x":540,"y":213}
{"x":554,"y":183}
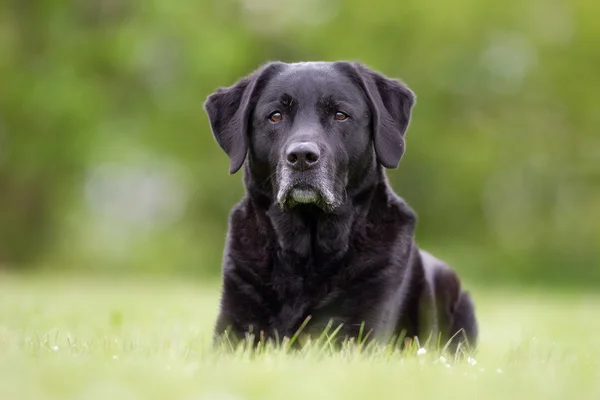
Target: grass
{"x":102,"y":339}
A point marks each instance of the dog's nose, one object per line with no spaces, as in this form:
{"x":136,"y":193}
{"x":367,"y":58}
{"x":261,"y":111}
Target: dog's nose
{"x":303,"y":155}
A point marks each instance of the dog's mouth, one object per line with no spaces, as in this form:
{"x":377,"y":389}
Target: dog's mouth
{"x":301,"y":193}
{"x":304,"y":195}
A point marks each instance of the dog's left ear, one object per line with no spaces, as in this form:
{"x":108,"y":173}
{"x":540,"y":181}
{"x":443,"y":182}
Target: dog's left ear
{"x":391,"y":104}
{"x":229,"y":111}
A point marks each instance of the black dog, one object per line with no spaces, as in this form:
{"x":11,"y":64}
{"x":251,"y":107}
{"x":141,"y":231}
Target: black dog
{"x":320,"y":233}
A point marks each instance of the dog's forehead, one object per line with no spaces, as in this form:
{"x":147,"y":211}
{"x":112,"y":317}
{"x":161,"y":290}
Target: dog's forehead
{"x":313,"y":81}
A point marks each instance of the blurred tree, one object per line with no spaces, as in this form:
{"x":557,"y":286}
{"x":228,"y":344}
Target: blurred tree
{"x":102,"y":127}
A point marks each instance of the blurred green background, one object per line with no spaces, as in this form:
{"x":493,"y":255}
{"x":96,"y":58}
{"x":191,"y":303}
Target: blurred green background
{"x":107,"y":163}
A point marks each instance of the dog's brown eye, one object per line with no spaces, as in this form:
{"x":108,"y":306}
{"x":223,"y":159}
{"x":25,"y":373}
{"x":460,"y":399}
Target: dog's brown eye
{"x":340,"y":116}
{"x":275,"y":117}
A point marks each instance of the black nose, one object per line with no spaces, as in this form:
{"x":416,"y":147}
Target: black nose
{"x":303,"y":155}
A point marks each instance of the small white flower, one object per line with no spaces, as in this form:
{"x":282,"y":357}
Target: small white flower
{"x":54,"y":348}
{"x":442,"y":359}
{"x":499,"y":371}
{"x":448,"y":365}
{"x":421,"y":352}
{"x":115,"y":357}
{"x":472,"y":361}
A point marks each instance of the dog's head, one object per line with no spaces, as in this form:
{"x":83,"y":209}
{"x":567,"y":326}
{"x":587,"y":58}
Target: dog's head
{"x":311,"y":131}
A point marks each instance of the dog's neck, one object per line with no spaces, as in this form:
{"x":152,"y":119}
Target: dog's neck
{"x":309,"y":232}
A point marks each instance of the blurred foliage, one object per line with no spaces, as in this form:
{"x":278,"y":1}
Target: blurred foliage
{"x":107,"y":161}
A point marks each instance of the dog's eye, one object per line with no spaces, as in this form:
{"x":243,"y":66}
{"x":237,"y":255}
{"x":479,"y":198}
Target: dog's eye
{"x":340,"y":116}
{"x":275,"y":117}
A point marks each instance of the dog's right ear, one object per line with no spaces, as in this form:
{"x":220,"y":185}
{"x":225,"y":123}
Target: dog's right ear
{"x":229,"y":111}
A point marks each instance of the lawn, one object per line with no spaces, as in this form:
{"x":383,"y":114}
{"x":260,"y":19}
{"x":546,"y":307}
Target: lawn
{"x":84,"y":338}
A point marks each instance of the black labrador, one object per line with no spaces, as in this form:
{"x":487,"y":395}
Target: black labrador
{"x":320,"y":233}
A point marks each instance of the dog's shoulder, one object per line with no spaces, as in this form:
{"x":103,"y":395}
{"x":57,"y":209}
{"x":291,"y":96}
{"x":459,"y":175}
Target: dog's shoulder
{"x":390,"y":215}
{"x":239,"y":212}
{"x":247,"y":237}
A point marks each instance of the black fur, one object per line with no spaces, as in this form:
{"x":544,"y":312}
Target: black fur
{"x":332,"y":242}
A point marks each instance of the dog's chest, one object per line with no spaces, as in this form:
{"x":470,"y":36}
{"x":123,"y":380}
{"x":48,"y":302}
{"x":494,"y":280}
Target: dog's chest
{"x":301,"y":293}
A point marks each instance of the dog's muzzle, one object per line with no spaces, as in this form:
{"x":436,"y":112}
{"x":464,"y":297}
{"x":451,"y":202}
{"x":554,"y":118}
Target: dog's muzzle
{"x":303,"y":177}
